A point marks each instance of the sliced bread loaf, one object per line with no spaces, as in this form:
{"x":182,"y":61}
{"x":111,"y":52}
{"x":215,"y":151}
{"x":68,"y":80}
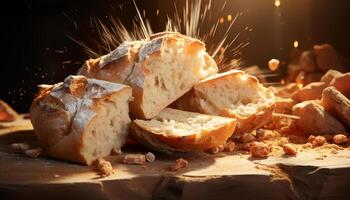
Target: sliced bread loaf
{"x":81,"y":119}
{"x":160,"y":70}
{"x":175,"y":130}
{"x":231,"y":94}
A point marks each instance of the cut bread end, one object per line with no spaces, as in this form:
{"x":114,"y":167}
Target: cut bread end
{"x":232,"y":94}
{"x":175,"y":130}
{"x":108,"y":129}
{"x":170,"y":73}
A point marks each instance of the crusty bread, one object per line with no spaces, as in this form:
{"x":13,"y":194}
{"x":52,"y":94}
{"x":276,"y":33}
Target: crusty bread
{"x":231,"y":94}
{"x":337,"y":104}
{"x":81,"y":119}
{"x":175,"y":130}
{"x":159,"y":70}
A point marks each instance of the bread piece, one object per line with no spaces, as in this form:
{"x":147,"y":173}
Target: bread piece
{"x":315,"y":120}
{"x":311,"y":91}
{"x":175,"y":130}
{"x":330,"y":75}
{"x":159,"y":70}
{"x":337,"y":104}
{"x":232,"y":94}
{"x":7,"y":114}
{"x":81,"y":119}
{"x":342,"y":83}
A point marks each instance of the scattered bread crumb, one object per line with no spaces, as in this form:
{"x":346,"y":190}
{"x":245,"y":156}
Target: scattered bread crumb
{"x":104,"y":167}
{"x":319,"y":141}
{"x":150,"y":157}
{"x":20,"y":147}
{"x":116,"y":151}
{"x":340,"y":139}
{"x":247,"y":137}
{"x":179,"y":164}
{"x":229,"y":146}
{"x":259,"y":149}
{"x":311,"y":138}
{"x":33,"y":153}
{"x":137,"y":159}
{"x":215,"y":150}
{"x":290,"y":149}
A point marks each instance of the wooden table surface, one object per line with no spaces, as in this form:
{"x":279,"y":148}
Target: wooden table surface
{"x":309,"y":175}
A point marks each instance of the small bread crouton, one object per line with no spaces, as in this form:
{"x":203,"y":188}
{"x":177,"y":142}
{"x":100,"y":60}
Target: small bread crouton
{"x":104,"y":167}
{"x":20,"y":147}
{"x":259,"y":149}
{"x":229,"y":146}
{"x":179,"y":164}
{"x":33,"y":153}
{"x":340,"y":139}
{"x":290,"y":149}
{"x":137,"y":159}
{"x":319,"y":141}
{"x":215,"y":150}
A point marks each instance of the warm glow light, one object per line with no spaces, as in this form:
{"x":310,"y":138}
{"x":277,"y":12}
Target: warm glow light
{"x":229,"y":18}
{"x":296,"y":44}
{"x":273,"y":64}
{"x":277,"y":3}
{"x":283,"y":81}
{"x":221,"y":20}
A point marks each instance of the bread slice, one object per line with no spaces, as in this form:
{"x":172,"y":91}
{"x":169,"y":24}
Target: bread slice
{"x":175,"y":130}
{"x":231,"y":94}
{"x":160,"y":70}
{"x":81,"y":119}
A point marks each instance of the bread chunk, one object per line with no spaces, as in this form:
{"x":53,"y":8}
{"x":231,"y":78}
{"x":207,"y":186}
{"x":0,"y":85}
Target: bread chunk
{"x":337,"y":104}
{"x":311,"y":91}
{"x":175,"y":130}
{"x":81,"y":119}
{"x":160,"y":70}
{"x":315,"y":120}
{"x":232,"y":94}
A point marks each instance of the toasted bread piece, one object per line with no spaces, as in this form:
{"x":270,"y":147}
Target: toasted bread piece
{"x":175,"y":130}
{"x":81,"y":119}
{"x":232,"y":94}
{"x":160,"y":70}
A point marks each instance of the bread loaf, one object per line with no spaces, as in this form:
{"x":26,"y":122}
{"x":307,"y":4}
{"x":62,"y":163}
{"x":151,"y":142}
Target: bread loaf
{"x":175,"y":130}
{"x":160,"y":70}
{"x":231,"y":94}
{"x":81,"y":119}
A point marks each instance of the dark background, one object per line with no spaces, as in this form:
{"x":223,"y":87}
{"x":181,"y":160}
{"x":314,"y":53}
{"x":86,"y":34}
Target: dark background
{"x":35,"y":48}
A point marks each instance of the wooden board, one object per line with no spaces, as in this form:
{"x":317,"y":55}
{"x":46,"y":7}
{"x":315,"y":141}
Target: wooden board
{"x":310,"y":175}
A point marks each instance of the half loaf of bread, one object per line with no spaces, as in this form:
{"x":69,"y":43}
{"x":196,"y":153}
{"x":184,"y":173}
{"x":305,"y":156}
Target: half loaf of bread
{"x":175,"y":130}
{"x":231,"y":94}
{"x":81,"y":119}
{"x":160,"y":70}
